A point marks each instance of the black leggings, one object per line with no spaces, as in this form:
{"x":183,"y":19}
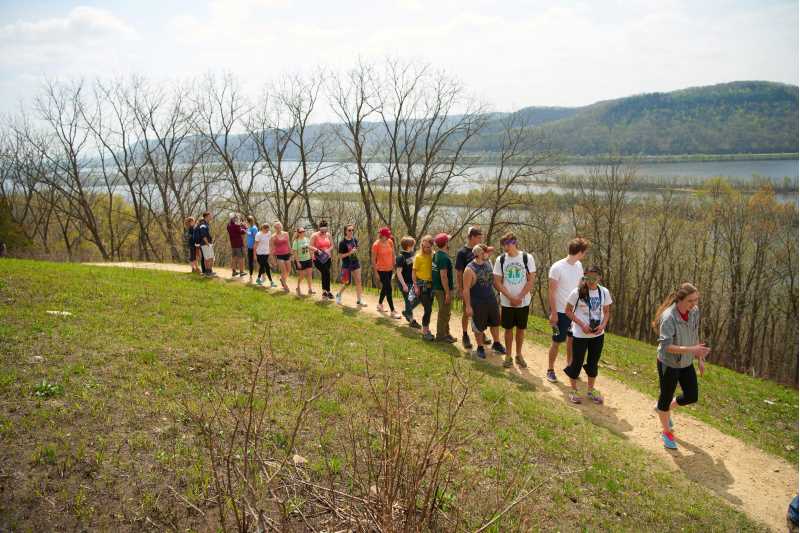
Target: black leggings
{"x":426,"y":299}
{"x":263,"y":266}
{"x":386,"y":288}
{"x":580,"y":346}
{"x":668,"y":379}
{"x":325,"y":273}
{"x":250,"y":264}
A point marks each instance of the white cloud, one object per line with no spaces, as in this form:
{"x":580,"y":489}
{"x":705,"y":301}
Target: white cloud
{"x":81,"y":24}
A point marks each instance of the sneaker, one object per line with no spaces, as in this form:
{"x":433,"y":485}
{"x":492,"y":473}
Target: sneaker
{"x":272,"y":284}
{"x":486,"y":340}
{"x":574,"y":397}
{"x":394,"y":315}
{"x":465,"y":340}
{"x":312,"y":291}
{"x":242,"y":274}
{"x":259,"y":282}
{"x":669,"y":440}
{"x":498,"y":348}
{"x":551,"y":376}
{"x":414,"y":324}
{"x":595,"y":397}
{"x":480,"y":352}
{"x":379,"y":308}
{"x":361,"y":304}
{"x":408,"y":316}
{"x":508,"y":362}
{"x":234,"y":274}
{"x":428,"y":336}
{"x":338,"y":298}
{"x":448,"y":339}
{"x":297,"y":290}
{"x":521,"y":362}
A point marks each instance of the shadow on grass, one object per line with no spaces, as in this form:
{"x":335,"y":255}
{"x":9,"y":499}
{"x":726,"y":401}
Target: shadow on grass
{"x":599,"y":415}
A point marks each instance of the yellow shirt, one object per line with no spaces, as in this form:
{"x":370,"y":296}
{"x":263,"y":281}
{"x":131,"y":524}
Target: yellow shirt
{"x":423,"y":265}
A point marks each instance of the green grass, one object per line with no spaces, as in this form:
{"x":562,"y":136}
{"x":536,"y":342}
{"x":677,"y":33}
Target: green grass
{"x":757,"y":411}
{"x":111,"y":449}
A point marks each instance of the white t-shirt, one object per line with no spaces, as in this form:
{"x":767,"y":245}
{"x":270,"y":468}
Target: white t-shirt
{"x":585,"y":312}
{"x":568,"y":277}
{"x":262,"y":242}
{"x":514,"y":276}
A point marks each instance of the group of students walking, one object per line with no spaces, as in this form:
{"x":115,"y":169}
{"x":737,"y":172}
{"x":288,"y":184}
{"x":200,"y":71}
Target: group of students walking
{"x":495,"y":294}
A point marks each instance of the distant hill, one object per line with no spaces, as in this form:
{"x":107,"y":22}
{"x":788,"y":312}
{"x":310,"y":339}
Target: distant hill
{"x":743,"y":117}
{"x":729,"y":118}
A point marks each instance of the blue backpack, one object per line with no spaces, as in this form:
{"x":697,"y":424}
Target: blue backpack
{"x":791,"y":515}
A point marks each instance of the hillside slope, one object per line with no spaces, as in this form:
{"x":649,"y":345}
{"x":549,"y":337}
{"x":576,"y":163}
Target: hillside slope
{"x":103,"y":442}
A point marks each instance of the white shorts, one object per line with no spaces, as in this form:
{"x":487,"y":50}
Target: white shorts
{"x":208,"y":251}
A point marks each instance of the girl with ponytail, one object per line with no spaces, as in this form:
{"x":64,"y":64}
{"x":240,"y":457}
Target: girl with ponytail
{"x":677,"y":322}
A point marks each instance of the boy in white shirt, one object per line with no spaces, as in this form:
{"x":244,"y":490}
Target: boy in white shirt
{"x":513,"y":272}
{"x":565,"y":275}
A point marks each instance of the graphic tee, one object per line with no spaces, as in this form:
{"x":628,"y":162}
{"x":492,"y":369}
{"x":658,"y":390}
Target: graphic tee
{"x":515,"y":276}
{"x":301,"y":247}
{"x":586,"y":311}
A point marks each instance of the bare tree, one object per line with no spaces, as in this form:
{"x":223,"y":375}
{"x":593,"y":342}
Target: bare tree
{"x":428,"y":122}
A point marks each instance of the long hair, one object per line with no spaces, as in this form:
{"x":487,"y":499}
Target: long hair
{"x":676,"y":296}
{"x":583,"y":287}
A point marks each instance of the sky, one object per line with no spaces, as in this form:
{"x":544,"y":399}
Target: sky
{"x":508,"y":53}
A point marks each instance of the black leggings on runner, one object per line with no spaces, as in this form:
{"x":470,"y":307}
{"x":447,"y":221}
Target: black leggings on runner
{"x":668,"y":379}
{"x":250,"y":264}
{"x":263,"y":266}
{"x":325,"y":273}
{"x":386,"y":288}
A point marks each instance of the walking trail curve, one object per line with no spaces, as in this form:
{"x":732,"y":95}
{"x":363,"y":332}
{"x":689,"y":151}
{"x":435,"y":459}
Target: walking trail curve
{"x":759,"y":484}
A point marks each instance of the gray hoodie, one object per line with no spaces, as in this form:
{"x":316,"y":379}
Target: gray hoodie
{"x":674,"y":330}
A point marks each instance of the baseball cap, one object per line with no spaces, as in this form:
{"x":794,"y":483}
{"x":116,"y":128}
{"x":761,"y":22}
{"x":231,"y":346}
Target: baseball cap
{"x":441,"y":240}
{"x":385,"y":232}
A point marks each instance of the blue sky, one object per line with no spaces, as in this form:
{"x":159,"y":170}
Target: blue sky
{"x":510,"y":54}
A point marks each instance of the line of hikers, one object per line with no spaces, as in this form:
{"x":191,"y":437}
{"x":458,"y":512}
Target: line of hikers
{"x":495,"y":294}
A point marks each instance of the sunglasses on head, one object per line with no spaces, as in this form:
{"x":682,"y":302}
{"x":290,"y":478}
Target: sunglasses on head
{"x":509,"y":241}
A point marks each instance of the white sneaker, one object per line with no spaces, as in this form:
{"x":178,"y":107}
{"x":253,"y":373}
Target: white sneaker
{"x":338,"y":298}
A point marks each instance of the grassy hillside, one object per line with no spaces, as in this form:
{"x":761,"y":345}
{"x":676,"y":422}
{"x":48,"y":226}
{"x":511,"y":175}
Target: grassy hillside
{"x":731,"y":118}
{"x":100,"y":408}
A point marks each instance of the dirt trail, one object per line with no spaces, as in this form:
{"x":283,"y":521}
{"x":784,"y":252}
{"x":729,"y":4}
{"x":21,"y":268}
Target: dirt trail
{"x":759,"y":484}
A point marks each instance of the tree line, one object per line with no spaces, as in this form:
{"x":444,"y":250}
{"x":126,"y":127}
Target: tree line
{"x":110,"y":169}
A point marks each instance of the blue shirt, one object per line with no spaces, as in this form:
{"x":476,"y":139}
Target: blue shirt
{"x":251,"y":236}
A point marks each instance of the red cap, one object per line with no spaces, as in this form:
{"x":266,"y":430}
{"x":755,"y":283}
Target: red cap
{"x":385,"y":232}
{"x":441,"y":240}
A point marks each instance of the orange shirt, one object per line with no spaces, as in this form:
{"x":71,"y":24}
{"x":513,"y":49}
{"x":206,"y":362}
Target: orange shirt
{"x":383,"y":251}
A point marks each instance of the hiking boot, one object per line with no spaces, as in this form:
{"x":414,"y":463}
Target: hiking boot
{"x":498,"y":348}
{"x":551,"y":376}
{"x":480,"y":352}
{"x":521,"y":362}
{"x":465,"y":340}
{"x":596,"y":398}
{"x":508,"y":362}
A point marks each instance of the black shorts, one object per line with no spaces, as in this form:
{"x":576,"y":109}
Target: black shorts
{"x":515,"y":317}
{"x":304,"y":265}
{"x":284,"y":257}
{"x":193,"y":253}
{"x":564,"y":328}
{"x":485,"y":315}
